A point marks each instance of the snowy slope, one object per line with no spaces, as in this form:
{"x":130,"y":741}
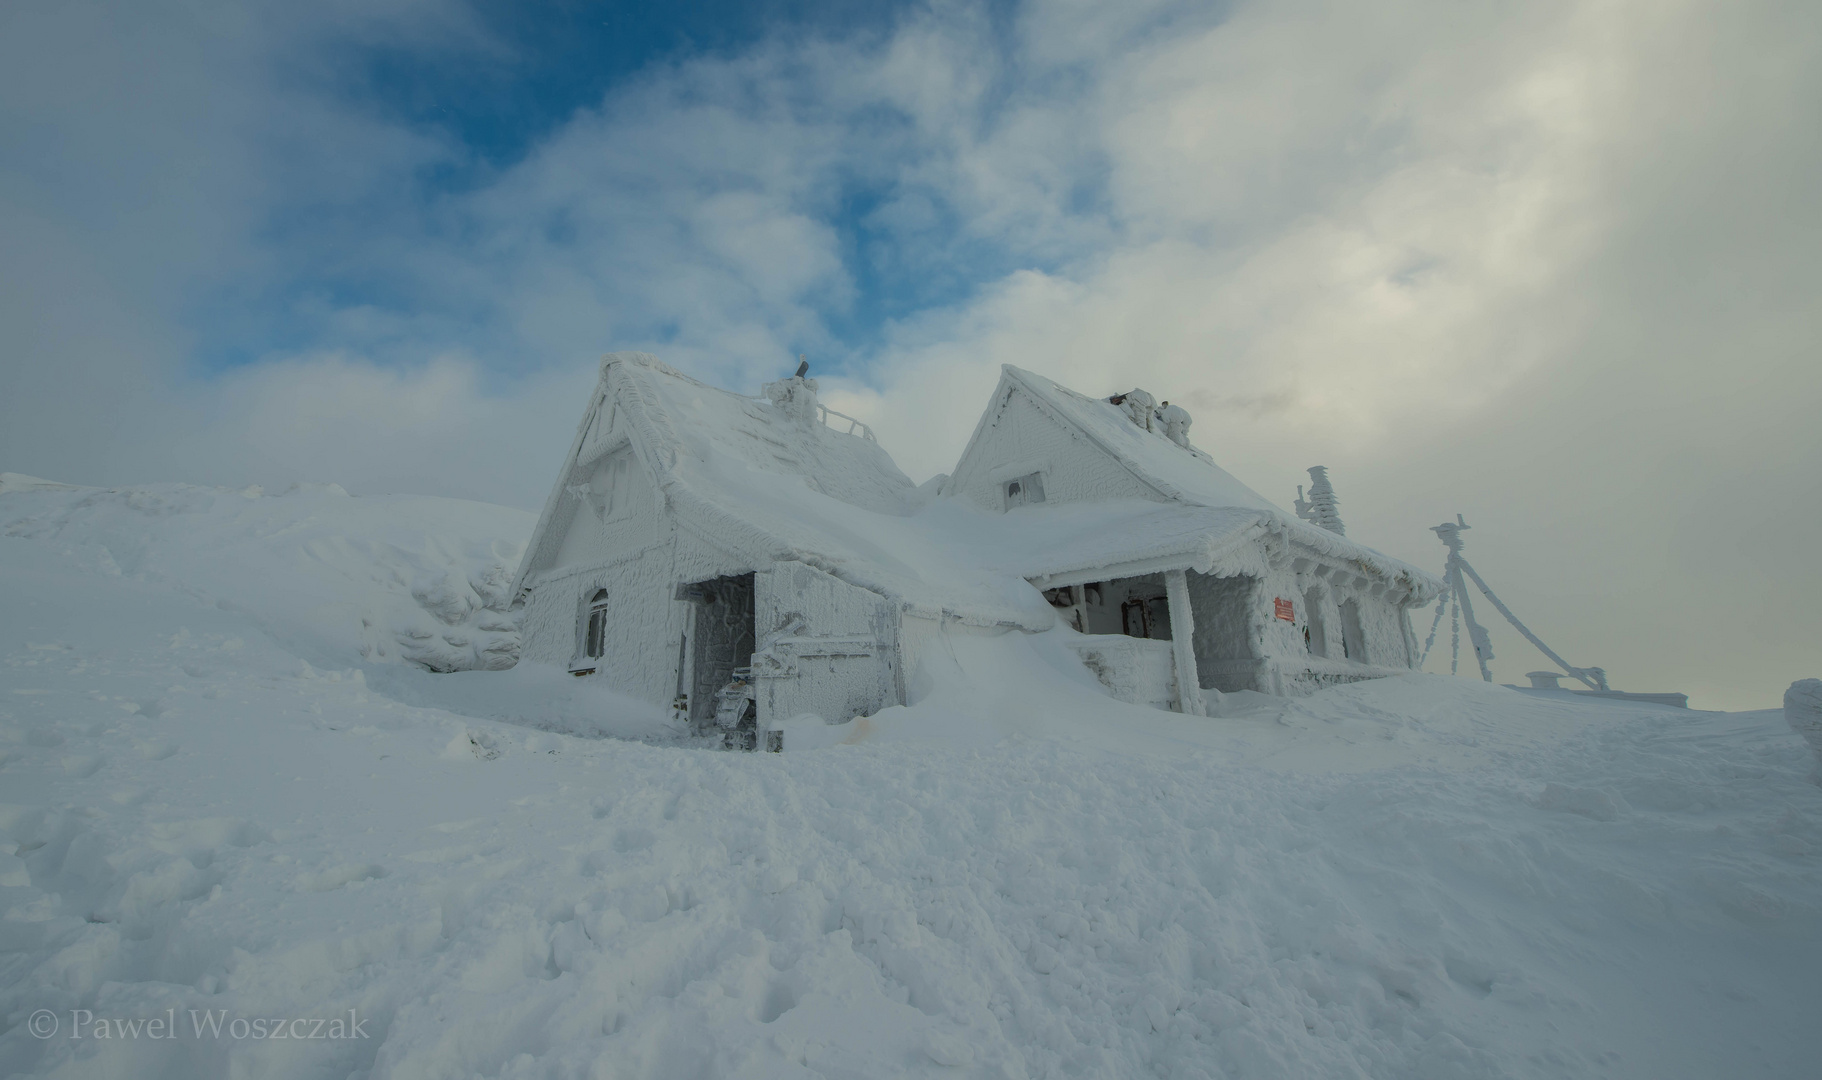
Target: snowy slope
{"x":213,"y":801}
{"x":338,"y":579}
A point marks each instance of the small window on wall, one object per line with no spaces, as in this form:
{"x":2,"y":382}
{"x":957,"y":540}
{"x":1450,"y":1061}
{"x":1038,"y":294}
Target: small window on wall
{"x":1026,"y":489}
{"x":594,"y":642}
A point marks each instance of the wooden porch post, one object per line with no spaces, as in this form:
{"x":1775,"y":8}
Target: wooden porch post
{"x":1183,"y":643}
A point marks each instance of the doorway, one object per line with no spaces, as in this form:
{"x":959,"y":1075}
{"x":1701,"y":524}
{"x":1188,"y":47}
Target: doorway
{"x":723,"y":639}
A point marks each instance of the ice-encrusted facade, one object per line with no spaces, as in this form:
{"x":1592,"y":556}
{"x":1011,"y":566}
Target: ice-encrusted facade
{"x":696,"y":535}
{"x":1139,"y":533}
{"x":698,"y":542}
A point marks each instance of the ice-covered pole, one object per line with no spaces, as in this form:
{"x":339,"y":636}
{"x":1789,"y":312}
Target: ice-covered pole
{"x":1450,"y":534}
{"x":1190,"y":698}
{"x":1803,"y":712}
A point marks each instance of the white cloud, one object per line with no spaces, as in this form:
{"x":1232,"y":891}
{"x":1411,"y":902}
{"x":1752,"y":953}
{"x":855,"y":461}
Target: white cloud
{"x":1514,"y":262}
{"x":1551,"y":265}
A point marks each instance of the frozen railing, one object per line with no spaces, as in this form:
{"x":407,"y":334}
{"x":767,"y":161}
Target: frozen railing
{"x":855,"y":427}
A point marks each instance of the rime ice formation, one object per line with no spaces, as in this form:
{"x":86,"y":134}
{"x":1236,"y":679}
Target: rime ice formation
{"x":376,"y":574}
{"x":1175,"y":420}
{"x":1141,"y":408}
{"x":794,"y":398}
{"x":212,"y":800}
{"x":1456,"y":603}
{"x":1323,"y":508}
{"x":749,"y":561}
{"x":1803,"y":712}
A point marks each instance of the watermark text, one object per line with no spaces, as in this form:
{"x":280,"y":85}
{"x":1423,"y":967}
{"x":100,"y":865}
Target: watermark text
{"x":197,"y":1024}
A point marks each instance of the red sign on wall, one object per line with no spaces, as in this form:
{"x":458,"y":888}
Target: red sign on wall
{"x":1282,"y":608}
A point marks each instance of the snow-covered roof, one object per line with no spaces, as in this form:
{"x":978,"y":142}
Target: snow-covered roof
{"x":748,"y":477}
{"x":745,"y":476}
{"x":1177,"y":473}
{"x":717,"y":437}
{"x":1122,"y":535}
{"x":1208,"y":506}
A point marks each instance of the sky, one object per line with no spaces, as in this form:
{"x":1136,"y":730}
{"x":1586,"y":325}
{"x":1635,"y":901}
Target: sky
{"x":1552,"y":265}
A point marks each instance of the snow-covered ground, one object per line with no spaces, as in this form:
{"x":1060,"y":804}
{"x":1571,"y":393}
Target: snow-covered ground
{"x":225,"y":795}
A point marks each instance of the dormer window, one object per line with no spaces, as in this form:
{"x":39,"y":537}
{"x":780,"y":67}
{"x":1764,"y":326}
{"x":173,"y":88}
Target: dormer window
{"x":1024,"y":490}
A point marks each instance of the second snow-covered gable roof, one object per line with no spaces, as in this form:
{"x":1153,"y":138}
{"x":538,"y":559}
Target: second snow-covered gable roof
{"x":1174,"y":472}
{"x":1212,"y":507}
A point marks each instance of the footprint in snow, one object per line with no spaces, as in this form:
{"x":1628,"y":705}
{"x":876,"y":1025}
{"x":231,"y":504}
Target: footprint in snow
{"x":82,"y":766}
{"x":337,"y":876}
{"x":156,"y":750}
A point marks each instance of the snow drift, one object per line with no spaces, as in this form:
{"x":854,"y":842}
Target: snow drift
{"x":336,"y":579}
{"x":223,"y":793}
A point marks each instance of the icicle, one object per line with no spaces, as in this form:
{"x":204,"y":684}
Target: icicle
{"x":1442,"y":608}
{"x":1454,"y":635}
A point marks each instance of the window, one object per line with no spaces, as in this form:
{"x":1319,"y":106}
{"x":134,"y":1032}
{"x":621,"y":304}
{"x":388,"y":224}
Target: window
{"x":1353,"y":637}
{"x":607,"y":484}
{"x":1315,"y":634}
{"x":1146,"y":617}
{"x":595,"y":643}
{"x":1026,"y":489}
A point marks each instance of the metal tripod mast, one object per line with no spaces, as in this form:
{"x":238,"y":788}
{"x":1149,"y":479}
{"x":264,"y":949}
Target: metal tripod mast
{"x":1455,"y":574}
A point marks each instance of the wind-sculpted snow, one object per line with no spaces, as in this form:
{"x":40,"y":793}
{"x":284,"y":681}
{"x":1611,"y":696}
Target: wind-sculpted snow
{"x":338,"y":579}
{"x":212,"y":803}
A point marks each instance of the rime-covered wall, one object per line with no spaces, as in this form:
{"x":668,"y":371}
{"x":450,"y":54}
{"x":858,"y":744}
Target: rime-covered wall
{"x":623,"y":539}
{"x":609,"y":521}
{"x":1291,"y":665}
{"x":842,"y":662}
{"x":1137,"y":670}
{"x":1023,"y":438}
{"x":1228,"y":629}
{"x":643,"y":631}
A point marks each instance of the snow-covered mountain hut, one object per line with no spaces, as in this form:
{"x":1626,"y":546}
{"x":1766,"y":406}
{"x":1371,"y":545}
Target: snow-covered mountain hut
{"x":694,"y":534}
{"x":753,"y":559}
{"x":1133,"y":533}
